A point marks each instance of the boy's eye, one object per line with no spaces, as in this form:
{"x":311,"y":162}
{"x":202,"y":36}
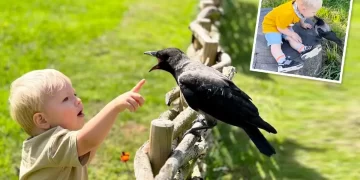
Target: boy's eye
{"x":66,"y":99}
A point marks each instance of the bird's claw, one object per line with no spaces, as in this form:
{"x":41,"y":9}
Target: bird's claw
{"x":195,"y":132}
{"x":200,"y":120}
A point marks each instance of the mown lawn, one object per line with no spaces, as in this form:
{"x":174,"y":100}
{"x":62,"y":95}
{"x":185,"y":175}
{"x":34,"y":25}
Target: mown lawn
{"x":100,"y":45}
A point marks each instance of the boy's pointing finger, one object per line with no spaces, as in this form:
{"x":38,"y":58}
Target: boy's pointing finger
{"x":138,"y":86}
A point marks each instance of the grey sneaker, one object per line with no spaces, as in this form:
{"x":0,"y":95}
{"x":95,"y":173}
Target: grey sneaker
{"x":310,"y":51}
{"x":289,"y":65}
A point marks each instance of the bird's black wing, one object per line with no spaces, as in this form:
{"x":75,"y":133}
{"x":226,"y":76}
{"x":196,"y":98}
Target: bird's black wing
{"x":220,"y":98}
{"x":238,"y":90}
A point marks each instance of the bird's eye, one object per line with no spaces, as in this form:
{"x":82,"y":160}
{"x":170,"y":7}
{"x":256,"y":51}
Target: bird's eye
{"x":75,"y":94}
{"x":67,"y":98}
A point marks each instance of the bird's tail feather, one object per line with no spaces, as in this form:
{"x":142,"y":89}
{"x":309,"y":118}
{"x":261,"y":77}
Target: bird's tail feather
{"x":259,"y":140}
{"x":260,"y":123}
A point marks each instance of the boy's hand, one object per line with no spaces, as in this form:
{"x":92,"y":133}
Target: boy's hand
{"x":296,"y":37}
{"x":130,"y":100}
{"x":94,"y":132}
{"x":306,"y":25}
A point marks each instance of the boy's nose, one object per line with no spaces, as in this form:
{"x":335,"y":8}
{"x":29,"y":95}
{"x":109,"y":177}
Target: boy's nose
{"x":78,"y":101}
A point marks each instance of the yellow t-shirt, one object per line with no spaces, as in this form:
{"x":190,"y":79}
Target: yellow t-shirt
{"x":281,"y":16}
{"x":53,"y":155}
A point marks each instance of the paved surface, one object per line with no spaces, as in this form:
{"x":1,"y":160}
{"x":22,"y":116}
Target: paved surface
{"x":263,"y":59}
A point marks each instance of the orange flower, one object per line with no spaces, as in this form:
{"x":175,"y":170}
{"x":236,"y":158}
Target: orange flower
{"x":125,"y":156}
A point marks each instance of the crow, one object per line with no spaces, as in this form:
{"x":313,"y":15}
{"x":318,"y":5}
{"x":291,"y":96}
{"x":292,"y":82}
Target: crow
{"x":210,"y":93}
{"x":324,"y":31}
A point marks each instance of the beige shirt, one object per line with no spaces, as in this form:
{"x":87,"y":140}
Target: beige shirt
{"x":53,"y":155}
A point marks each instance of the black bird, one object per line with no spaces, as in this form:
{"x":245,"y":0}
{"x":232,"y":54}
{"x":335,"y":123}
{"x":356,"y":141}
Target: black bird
{"x":210,"y":93}
{"x":324,"y":30}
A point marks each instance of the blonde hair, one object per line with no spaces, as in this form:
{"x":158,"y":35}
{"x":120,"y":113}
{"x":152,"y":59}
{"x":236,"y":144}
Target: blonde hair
{"x":312,"y":3}
{"x":27,"y":94}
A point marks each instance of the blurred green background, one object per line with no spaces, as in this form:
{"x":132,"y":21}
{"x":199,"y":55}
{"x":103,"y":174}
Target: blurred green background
{"x":100,"y":45}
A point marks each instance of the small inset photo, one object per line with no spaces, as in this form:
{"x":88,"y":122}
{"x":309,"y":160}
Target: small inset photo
{"x":302,"y":38}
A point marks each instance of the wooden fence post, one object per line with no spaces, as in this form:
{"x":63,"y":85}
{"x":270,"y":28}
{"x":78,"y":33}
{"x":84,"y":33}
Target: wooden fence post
{"x":205,"y":3}
{"x":161,"y":136}
{"x":205,"y":23}
{"x":210,"y":46}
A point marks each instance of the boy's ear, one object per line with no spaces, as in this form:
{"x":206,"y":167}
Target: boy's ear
{"x":40,"y":121}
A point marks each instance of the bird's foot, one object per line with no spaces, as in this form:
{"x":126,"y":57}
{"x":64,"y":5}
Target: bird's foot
{"x":195,"y":130}
{"x":201,"y":120}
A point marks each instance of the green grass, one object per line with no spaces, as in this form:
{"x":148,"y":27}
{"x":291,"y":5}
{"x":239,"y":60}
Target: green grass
{"x":332,"y":68}
{"x":335,"y":13}
{"x":100,"y":45}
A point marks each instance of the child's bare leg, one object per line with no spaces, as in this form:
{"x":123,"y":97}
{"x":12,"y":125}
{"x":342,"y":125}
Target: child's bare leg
{"x":305,"y":51}
{"x":277,"y":53}
{"x":295,"y":45}
{"x":284,"y":64}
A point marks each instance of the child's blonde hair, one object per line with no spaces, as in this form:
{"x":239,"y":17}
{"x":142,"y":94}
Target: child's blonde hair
{"x":27,"y":94}
{"x":316,"y":4}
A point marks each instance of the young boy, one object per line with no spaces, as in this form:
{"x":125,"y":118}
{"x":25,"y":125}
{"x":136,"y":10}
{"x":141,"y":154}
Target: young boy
{"x":277,"y":25}
{"x":45,"y":105}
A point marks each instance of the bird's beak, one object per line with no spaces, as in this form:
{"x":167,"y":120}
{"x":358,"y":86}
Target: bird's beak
{"x":155,"y":67}
{"x":151,"y":53}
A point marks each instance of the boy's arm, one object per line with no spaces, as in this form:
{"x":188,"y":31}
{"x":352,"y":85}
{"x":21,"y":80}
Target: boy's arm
{"x":304,"y":24}
{"x":291,"y":34}
{"x":282,"y":23}
{"x":94,"y":132}
{"x":286,"y":31}
{"x":302,"y":21}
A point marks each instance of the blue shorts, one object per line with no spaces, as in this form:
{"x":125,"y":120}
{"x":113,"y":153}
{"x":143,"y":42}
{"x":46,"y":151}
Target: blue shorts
{"x":275,"y":38}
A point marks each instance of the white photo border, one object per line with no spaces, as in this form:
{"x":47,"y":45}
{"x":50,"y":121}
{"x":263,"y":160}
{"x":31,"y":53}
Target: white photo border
{"x":300,"y":76}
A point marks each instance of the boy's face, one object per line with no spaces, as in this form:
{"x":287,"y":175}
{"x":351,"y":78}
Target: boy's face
{"x":64,"y":109}
{"x":308,"y":12}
